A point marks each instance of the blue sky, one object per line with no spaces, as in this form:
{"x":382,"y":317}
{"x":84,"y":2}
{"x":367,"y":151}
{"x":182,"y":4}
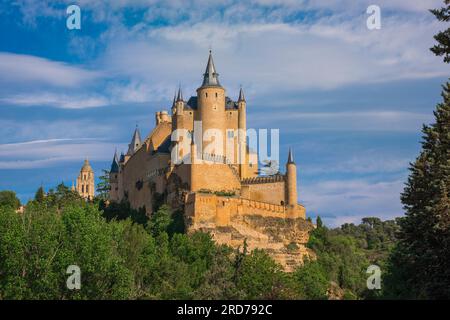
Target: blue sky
{"x":350,"y":101}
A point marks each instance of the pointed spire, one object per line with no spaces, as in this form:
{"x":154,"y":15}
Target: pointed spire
{"x":115,"y":164}
{"x":210,"y":77}
{"x":290,"y":156}
{"x":174,"y":98}
{"x":135,"y":142}
{"x":241,"y":95}
{"x":180,"y":94}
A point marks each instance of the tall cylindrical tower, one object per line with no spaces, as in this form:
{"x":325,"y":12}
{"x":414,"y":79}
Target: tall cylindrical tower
{"x":242,"y":135}
{"x":291,"y":185}
{"x":211,"y":104}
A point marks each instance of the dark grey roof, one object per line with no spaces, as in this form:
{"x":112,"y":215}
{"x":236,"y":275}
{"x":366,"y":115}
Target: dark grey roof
{"x":210,"y":77}
{"x":230,"y":104}
{"x":290,"y":156}
{"x":193,"y":104}
{"x":114,"y":164}
{"x":241,"y":95}
{"x":180,"y":95}
{"x":135,"y":142}
{"x":165,"y":146}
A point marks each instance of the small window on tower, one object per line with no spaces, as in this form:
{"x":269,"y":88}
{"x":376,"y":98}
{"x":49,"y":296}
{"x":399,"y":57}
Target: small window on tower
{"x":206,"y":94}
{"x":216,"y":95}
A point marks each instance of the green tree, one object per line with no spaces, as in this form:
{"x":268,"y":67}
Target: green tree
{"x":443,"y":37}
{"x":9,"y":198}
{"x":419,"y":266}
{"x":40,"y":195}
{"x":260,"y":276}
{"x":319,"y":222}
{"x":311,"y":281}
{"x":103,"y":187}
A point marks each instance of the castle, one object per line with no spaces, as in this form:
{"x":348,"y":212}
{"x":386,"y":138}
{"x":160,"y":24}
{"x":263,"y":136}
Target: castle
{"x":184,"y":162}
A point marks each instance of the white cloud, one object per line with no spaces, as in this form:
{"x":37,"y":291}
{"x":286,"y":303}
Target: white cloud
{"x":26,"y":69}
{"x":348,"y":121}
{"x":56,"y":100}
{"x":53,"y":152}
{"x":340,"y":201}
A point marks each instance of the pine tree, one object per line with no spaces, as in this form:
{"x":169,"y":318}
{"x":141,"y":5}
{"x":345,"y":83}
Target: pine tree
{"x":103,"y":187}
{"x":420,"y":264}
{"x":443,"y":37}
{"x":422,"y":255}
{"x":40,"y":195}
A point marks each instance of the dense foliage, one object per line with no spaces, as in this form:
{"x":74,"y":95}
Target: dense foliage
{"x":123,"y":254}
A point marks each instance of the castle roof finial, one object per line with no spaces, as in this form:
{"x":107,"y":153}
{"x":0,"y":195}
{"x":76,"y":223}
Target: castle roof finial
{"x":210,"y":77}
{"x":241,"y":95}
{"x":290,"y":156}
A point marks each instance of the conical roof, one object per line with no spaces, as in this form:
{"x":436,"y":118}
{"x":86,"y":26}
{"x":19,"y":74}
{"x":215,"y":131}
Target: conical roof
{"x":210,"y":77}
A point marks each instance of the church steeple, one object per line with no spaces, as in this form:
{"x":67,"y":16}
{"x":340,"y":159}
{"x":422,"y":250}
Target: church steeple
{"x":210,"y":77}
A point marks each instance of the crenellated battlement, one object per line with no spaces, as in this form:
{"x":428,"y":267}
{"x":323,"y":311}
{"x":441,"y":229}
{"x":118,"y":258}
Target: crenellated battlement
{"x":264,"y":179}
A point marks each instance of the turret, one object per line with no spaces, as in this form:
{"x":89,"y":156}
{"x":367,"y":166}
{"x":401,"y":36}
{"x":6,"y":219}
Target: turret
{"x":291,"y":176}
{"x":211,"y":104}
{"x":242,"y":134}
{"x":173,"y":102}
{"x":179,"y":103}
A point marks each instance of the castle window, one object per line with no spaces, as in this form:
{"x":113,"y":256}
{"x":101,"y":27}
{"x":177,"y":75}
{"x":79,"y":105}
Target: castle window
{"x":82,"y":189}
{"x":216,"y":95}
{"x":87,"y":189}
{"x":206,"y":94}
{"x":230,"y":134}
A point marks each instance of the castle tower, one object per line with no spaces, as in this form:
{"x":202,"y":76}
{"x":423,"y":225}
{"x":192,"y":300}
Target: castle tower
{"x":180,"y":122}
{"x":242,"y":134}
{"x":211,"y":103}
{"x":291,"y":175}
{"x":85,"y":181}
{"x":114,"y":179}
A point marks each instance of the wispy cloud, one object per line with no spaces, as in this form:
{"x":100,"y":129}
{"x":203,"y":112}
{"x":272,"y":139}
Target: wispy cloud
{"x":24,"y":69}
{"x":349,"y":121}
{"x":54,"y":152}
{"x":55,"y":100}
{"x":341,"y":201}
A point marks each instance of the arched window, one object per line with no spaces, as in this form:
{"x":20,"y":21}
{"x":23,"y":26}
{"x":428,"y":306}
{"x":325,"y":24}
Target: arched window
{"x":206,"y":94}
{"x":82,"y":188}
